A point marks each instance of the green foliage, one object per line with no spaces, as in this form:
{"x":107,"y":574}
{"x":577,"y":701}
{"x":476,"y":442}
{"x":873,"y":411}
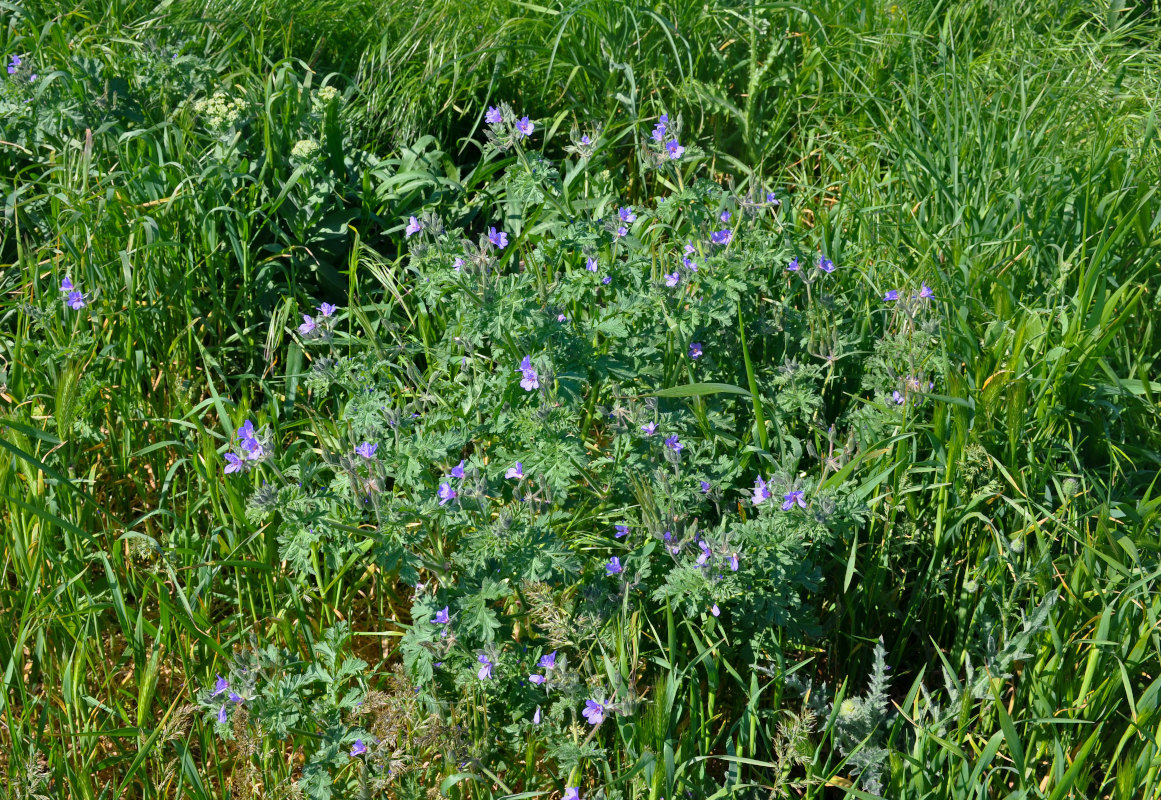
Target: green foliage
{"x":978,"y":540}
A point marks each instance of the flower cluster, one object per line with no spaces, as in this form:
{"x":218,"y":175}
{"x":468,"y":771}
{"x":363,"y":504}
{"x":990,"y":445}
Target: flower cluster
{"x":74,"y":298}
{"x":251,"y":448}
{"x":227,"y":698}
{"x":529,"y":380}
{"x":925,"y":293}
{"x":320,"y":327}
{"x":762,"y":492}
{"x":219,"y":111}
{"x":14,"y":65}
{"x":447,"y":492}
{"x":663,"y":141}
{"x":505,"y":129}
{"x":303,"y":149}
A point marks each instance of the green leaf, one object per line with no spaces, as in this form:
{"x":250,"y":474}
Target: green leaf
{"x":701,"y":390}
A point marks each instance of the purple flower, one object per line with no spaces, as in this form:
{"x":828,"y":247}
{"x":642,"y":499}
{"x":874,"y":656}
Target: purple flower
{"x":13,"y":64}
{"x":366,"y":450}
{"x":537,"y":679}
{"x":591,"y":264}
{"x":486,"y":670}
{"x":66,"y":285}
{"x":891,"y":296}
{"x":458,"y":470}
{"x":622,"y":232}
{"x":594,"y":712}
{"x":233,"y":463}
{"x":326,"y":309}
{"x":221,"y":685}
{"x":236,"y":698}
{"x":792,"y":497}
{"x":524,"y":127}
{"x":705,"y":487}
{"x":660,"y":128}
{"x":441,"y":617}
{"x":446,"y":493}
{"x":725,"y":217}
{"x":761,"y":492}
{"x":825,"y":264}
{"x":925,"y":292}
{"x":493,"y":116}
{"x":530,"y":380}
{"x":571,"y":793}
{"x":607,"y":280}
{"x":770,"y":198}
{"x":76,"y":301}
{"x":673,"y":444}
{"x":672,"y":279}
{"x":498,"y":238}
{"x":626,"y":214}
{"x":674,"y":149}
{"x":722,"y":237}
{"x":413,"y":226}
{"x":253,"y":449}
{"x":715,"y":610}
{"x":622,"y":530}
{"x":222,"y":716}
{"x":458,"y":264}
{"x":536,"y":716}
{"x":358,"y":748}
{"x":307,"y":327}
{"x":614,"y":566}
{"x":793,"y":265}
{"x":548,"y":661}
{"x":649,"y":428}
{"x":705,"y":554}
{"x":695,"y":350}
{"x":898,"y":398}
{"x":561,"y":318}
{"x":585,"y":139}
{"x":516,"y":472}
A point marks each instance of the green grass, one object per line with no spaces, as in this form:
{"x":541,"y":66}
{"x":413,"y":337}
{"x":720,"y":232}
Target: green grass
{"x":1007,"y":154}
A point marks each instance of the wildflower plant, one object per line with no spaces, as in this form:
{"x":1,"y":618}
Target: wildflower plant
{"x":550,"y":386}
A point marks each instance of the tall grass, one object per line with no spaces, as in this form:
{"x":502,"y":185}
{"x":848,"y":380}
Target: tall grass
{"x":1005,"y":154}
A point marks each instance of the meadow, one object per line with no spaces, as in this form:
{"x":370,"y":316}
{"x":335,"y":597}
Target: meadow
{"x":580,"y":399}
